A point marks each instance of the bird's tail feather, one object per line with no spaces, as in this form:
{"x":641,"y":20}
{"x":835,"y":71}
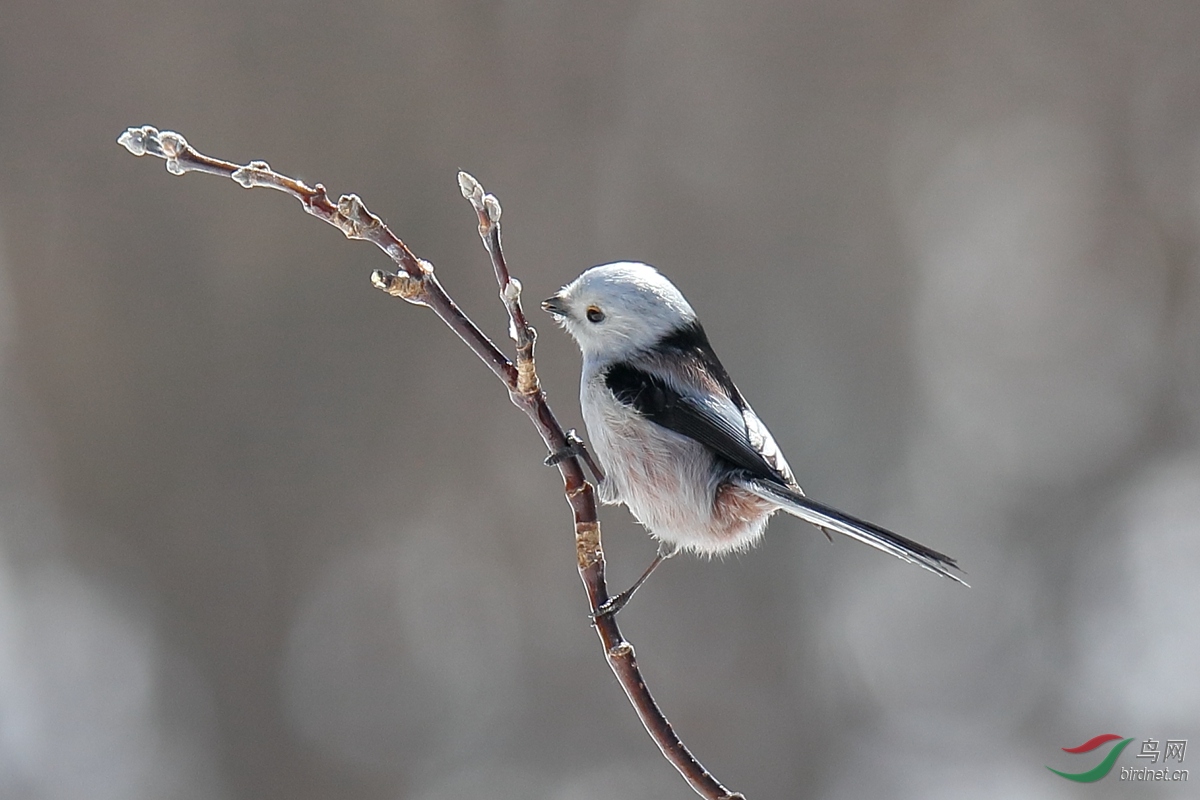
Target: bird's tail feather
{"x":830,"y":519}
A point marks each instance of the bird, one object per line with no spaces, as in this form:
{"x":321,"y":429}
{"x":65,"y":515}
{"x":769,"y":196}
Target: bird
{"x":677,"y":442}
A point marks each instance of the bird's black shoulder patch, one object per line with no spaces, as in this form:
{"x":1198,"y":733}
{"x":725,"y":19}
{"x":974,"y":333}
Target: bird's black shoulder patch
{"x":690,"y":341}
{"x":639,"y":390}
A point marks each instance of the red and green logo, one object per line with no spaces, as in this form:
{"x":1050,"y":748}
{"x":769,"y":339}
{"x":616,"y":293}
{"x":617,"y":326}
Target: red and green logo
{"x":1104,"y":767}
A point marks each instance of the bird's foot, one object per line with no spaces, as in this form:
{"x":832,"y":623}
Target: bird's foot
{"x":617,"y":602}
{"x":573,"y":448}
{"x":612,"y":606}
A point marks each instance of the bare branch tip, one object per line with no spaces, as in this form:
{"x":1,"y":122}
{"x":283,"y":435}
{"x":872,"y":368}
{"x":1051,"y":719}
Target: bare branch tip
{"x":137,"y":140}
{"x":468,"y":184}
{"x":471,"y":189}
{"x":148,"y":140}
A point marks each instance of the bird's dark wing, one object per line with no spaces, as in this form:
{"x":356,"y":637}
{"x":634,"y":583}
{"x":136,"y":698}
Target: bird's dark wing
{"x":720,"y":419}
{"x":713,"y":420}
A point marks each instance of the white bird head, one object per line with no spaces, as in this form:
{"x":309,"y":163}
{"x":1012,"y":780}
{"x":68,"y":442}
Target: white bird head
{"x":615,"y":310}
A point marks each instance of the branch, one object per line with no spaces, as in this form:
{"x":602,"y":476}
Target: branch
{"x":415,"y":282}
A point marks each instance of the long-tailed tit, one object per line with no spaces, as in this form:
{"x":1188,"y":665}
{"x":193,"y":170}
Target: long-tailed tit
{"x":678,"y":443}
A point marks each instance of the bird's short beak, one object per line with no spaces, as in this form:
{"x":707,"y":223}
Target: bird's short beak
{"x":556,"y":305}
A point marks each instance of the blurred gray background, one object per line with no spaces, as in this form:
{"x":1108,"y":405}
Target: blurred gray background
{"x":268,"y":533}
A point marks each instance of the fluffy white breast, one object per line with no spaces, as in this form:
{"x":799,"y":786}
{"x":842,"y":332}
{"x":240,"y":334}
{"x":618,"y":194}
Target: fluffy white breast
{"x":670,"y":483}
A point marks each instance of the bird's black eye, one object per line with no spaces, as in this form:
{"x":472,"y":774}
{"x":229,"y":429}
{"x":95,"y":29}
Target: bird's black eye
{"x":594,"y":314}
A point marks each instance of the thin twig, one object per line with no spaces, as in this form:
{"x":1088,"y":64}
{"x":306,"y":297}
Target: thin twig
{"x":415,"y":282}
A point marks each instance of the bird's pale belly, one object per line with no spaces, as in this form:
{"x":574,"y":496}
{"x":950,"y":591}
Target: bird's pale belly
{"x":670,"y":483}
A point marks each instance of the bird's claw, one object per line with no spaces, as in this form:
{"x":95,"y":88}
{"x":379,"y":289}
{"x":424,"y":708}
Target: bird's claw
{"x":572,"y":449}
{"x":610,"y":607}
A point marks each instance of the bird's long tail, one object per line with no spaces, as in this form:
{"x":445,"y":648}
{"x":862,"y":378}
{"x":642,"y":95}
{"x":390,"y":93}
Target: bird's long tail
{"x":830,"y":519}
